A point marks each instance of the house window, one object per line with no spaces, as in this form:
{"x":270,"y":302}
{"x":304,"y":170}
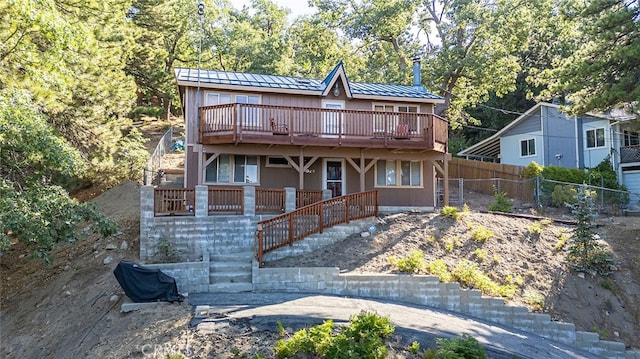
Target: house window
{"x":275,"y":161}
{"x":595,"y":138}
{"x":528,"y":147}
{"x":398,"y":173}
{"x":407,"y":115}
{"x":213,"y":98}
{"x":250,"y":115}
{"x":631,"y":138}
{"x":232,"y":169}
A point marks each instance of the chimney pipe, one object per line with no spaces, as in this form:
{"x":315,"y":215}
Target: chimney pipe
{"x":417,"y":80}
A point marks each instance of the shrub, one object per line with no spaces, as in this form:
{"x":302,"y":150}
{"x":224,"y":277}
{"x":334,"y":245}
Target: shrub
{"x":465,"y":347}
{"x":414,"y":348}
{"x":584,"y":251}
{"x":532,"y":170}
{"x":450,"y":211}
{"x":500,"y":203}
{"x":609,"y":285}
{"x":481,"y":234}
{"x":563,"y":195}
{"x":535,"y":300}
{"x":535,"y":228}
{"x":468,"y":274}
{"x":481,"y":254}
{"x":414,"y":263}
{"x":439,"y":268}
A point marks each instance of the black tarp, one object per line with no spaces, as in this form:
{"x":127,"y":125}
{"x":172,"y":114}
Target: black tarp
{"x":142,"y":284}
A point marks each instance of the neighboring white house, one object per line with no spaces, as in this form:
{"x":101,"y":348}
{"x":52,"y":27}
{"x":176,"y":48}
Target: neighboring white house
{"x":548,"y":136}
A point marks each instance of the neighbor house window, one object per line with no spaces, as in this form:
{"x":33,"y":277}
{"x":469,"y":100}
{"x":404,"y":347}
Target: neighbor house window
{"x":528,"y":147}
{"x":250,"y":115}
{"x":595,"y":138}
{"x":399,"y":173}
{"x":232,"y":169}
{"x":631,"y":138}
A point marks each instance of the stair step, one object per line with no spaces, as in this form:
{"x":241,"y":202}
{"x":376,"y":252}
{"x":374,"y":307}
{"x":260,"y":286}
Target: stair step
{"x":232,"y":257}
{"x":231,"y":277}
{"x":230,"y":287}
{"x":226,"y":267}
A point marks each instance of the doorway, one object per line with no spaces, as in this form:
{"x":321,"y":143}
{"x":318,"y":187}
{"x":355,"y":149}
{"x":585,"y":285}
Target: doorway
{"x":333,"y":176}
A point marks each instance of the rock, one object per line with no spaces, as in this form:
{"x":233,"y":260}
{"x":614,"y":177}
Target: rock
{"x":114,"y":298}
{"x":118,"y":234}
{"x":365,"y":234}
{"x":124,"y":245}
{"x":67,"y":293}
{"x":107,"y":260}
{"x":111,"y":247}
{"x":616,"y":334}
{"x":67,"y":267}
{"x":581,"y":275}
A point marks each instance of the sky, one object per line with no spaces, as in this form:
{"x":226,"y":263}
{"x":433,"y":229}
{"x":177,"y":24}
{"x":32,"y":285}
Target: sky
{"x":297,"y":7}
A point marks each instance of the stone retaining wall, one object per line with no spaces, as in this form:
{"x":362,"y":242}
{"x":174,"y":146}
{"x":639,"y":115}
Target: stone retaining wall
{"x":427,"y":290}
{"x":191,"y":277}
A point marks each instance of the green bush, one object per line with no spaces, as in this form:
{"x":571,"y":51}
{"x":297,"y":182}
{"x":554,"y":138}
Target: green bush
{"x":362,"y":338}
{"x":500,"y":203}
{"x":532,"y":170}
{"x":450,"y":211}
{"x":467,"y":273}
{"x":465,"y":347}
{"x":151,"y":111}
{"x":414,"y":263}
{"x":481,"y":234}
{"x":439,"y":268}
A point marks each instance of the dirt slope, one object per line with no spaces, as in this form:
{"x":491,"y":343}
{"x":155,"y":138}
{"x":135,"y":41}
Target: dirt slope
{"x":71,"y":308}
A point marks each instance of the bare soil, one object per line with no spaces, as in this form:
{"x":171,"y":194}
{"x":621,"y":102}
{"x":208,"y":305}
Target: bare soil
{"x":71,"y":308}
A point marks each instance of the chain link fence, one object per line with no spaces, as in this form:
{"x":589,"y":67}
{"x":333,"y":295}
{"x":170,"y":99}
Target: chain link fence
{"x":537,"y":191}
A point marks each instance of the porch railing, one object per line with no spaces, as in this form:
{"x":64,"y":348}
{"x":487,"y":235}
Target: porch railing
{"x":285,"y":229}
{"x":226,"y":200}
{"x":270,"y":200}
{"x":237,"y":120}
{"x":174,"y":201}
{"x":630,"y":154}
{"x":305,"y":197}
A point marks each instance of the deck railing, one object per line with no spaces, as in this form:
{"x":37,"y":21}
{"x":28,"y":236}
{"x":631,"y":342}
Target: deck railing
{"x":270,"y":200}
{"x":233,"y":122}
{"x":173,"y":201}
{"x":226,"y":200}
{"x":285,"y":229}
{"x":305,"y":197}
{"x":630,"y":154}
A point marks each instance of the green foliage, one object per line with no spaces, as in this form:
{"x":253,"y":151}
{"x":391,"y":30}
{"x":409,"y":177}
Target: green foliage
{"x":571,"y":175}
{"x":609,"y":285}
{"x":480,"y":254}
{"x":451,"y":211}
{"x":562,"y":195}
{"x":41,"y":216}
{"x":562,"y":241}
{"x":532,"y":170}
{"x":481,"y":234}
{"x":535,"y":300}
{"x":439,"y":268}
{"x":584,"y":252}
{"x":414,"y":263}
{"x":500,"y":203}
{"x":465,"y":347}
{"x":467,"y":273}
{"x":362,"y":338}
{"x":535,"y":228}
{"x":151,"y":111}
{"x":414,"y":348}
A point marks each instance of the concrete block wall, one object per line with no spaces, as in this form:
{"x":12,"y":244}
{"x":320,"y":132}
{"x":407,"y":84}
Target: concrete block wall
{"x":427,"y":290}
{"x":191,"y":277}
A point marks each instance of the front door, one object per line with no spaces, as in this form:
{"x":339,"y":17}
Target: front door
{"x":334,"y":176}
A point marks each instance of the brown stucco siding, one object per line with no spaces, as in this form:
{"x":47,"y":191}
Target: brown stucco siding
{"x":191,"y":163}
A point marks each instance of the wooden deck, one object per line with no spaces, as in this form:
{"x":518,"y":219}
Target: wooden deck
{"x":280,"y":125}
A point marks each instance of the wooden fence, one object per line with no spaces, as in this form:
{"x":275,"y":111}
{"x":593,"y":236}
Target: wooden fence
{"x":270,"y":200}
{"x":178,"y":201}
{"x":226,"y":200}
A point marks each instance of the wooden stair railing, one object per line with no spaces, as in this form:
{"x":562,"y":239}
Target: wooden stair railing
{"x":287,"y":228}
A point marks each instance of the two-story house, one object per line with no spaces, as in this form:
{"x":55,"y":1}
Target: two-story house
{"x":548,"y":136}
{"x":278,"y":131}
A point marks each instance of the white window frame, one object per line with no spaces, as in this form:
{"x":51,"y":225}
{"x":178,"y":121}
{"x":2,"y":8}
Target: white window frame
{"x":595,"y":138}
{"x":398,"y":174}
{"x":329,"y":127}
{"x":276,"y":165}
{"x":630,"y":138}
{"x":232,"y":161}
{"x":528,"y":154}
{"x":395,"y":107}
{"x":250,"y":117}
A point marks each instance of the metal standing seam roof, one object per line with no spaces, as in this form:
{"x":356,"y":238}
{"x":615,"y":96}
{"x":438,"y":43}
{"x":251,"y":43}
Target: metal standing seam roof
{"x":214,"y":77}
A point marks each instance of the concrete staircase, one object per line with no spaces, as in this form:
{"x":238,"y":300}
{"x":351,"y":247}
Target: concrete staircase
{"x":231,"y":258}
{"x":231,"y":255}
